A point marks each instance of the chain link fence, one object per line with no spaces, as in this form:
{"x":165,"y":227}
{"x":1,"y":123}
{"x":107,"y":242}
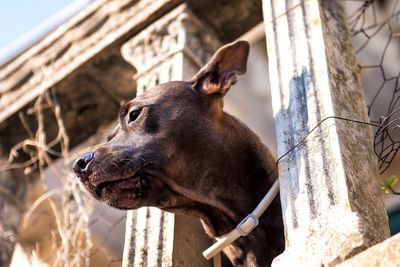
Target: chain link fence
{"x":375,"y":28}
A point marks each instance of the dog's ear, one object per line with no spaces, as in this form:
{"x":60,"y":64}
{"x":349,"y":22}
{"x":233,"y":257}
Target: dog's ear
{"x":219,"y":74}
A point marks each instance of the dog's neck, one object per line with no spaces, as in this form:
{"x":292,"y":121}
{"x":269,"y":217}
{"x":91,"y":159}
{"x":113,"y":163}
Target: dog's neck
{"x":242,"y":170}
{"x":251,"y":250}
{"x":247,"y":178}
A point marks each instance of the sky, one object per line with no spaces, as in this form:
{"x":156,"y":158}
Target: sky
{"x":24,"y":22}
{"x":20,"y":16}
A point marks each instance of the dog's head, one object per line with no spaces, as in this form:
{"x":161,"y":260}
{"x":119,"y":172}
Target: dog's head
{"x":171,"y":141}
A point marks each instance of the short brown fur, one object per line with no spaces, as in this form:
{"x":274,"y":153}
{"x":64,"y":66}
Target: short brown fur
{"x":176,"y":149}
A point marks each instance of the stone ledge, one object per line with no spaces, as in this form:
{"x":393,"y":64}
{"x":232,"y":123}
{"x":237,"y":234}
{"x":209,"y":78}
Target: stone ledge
{"x":384,"y":254}
{"x":49,"y":61}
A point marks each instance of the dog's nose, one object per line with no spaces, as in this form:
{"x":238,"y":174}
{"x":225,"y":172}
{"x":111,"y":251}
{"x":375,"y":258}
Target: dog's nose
{"x":82,"y":162}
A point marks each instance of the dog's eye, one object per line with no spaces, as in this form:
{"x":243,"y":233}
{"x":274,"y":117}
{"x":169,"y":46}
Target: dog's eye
{"x":133,"y":115}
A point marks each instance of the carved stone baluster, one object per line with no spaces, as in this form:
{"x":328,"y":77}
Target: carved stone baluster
{"x":331,"y":201}
{"x":172,"y":48}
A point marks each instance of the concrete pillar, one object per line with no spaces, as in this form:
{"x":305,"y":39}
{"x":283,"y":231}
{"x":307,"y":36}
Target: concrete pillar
{"x":332,"y":206}
{"x":172,"y":48}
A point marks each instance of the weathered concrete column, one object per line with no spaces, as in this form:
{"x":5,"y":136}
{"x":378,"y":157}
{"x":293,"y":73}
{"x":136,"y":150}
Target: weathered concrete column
{"x":173,"y":48}
{"x":331,"y":202}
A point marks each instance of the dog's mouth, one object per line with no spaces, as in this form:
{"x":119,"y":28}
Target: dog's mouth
{"x":135,"y":185}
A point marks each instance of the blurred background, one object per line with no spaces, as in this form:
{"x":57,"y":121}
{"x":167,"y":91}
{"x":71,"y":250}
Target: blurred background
{"x":59,"y":222}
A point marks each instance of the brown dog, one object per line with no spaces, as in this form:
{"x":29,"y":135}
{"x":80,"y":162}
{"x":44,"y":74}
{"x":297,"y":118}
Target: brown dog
{"x":176,"y":149}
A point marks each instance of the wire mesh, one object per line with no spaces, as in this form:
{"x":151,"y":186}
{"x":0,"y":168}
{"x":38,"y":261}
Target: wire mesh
{"x":375,"y":29}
